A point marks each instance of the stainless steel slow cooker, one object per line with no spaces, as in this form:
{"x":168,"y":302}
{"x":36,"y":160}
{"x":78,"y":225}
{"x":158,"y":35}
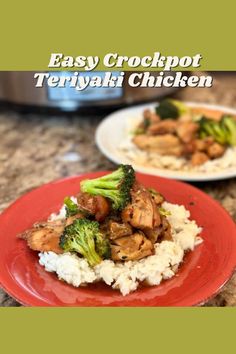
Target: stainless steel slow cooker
{"x":18,"y":87}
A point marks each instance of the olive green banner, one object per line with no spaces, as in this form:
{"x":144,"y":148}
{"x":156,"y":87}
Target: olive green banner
{"x":120,"y":330}
{"x":30,"y":33}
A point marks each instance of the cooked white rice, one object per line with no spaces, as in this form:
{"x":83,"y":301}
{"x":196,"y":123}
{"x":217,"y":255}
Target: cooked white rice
{"x":127,"y":276}
{"x":152,"y":159}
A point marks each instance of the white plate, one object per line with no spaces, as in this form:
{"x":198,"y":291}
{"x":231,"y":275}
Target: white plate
{"x":113,"y":130}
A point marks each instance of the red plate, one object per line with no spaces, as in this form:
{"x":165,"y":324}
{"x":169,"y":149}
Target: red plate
{"x":202,"y":274}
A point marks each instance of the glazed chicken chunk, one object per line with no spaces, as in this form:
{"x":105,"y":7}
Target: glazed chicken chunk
{"x":164,"y":127}
{"x":166,"y":233}
{"x":94,"y":205}
{"x":130,"y":248}
{"x":45,"y":236}
{"x":216,"y":150}
{"x":198,"y":158}
{"x":151,"y":117}
{"x":142,"y":213}
{"x":157,"y":197}
{"x":161,"y":232}
{"x":186,"y":131}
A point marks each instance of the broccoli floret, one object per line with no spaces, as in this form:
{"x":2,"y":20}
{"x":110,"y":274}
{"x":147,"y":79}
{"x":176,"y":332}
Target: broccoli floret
{"x":114,"y":186}
{"x":228,"y":124}
{"x":224,"y":131}
{"x":171,"y":109}
{"x":209,"y":127}
{"x":81,"y":237}
{"x":164,"y":212}
{"x":71,"y":207}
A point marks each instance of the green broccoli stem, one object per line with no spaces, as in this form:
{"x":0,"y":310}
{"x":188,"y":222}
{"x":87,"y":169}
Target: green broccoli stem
{"x":93,"y":258}
{"x":88,"y":252}
{"x":115,"y":175}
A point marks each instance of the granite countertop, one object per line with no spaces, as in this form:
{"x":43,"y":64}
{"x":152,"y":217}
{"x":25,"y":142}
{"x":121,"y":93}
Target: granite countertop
{"x":36,"y":149}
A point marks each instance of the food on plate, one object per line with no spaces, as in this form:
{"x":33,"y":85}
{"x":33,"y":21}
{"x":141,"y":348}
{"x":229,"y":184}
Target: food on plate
{"x":117,"y":231}
{"x":83,"y":237}
{"x":115,"y":186}
{"x":182,"y":137}
{"x":45,"y":236}
{"x":174,"y":130}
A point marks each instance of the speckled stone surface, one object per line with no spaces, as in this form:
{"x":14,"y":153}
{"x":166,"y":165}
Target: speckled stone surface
{"x":36,"y":149}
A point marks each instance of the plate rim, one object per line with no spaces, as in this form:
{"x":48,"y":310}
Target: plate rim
{"x":184,"y":176}
{"x":193,"y":188}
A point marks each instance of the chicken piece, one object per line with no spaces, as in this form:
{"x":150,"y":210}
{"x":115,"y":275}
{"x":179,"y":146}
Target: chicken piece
{"x":44,"y":240}
{"x":194,"y":146}
{"x":117,"y":229}
{"x":166,"y":233}
{"x":149,"y":119}
{"x":209,"y":113}
{"x":150,"y":116}
{"x":203,"y":144}
{"x":130,"y":248}
{"x":102,"y":208}
{"x":163,"y":231}
{"x":189,"y":148}
{"x":157,"y":197}
{"x":45,"y":237}
{"x":186,"y":131}
{"x":198,"y":158}
{"x":94,"y":205}
{"x":215,"y":150}
{"x":56,"y":225}
{"x":198,"y":145}
{"x":163,"y":127}
{"x":167,"y":144}
{"x":186,"y":117}
{"x":153,"y":234}
{"x":71,"y":219}
{"x":147,"y":113}
{"x":142,"y":212}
